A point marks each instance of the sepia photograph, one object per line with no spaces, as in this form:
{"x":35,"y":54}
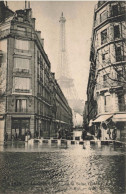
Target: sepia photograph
{"x":62,"y":97}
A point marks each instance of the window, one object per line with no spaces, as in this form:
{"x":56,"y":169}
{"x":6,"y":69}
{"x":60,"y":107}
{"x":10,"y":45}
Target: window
{"x":21,"y":105}
{"x":22,"y":84}
{"x":104,"y":36}
{"x":116,"y":32}
{"x":118,"y":53}
{"x":107,"y":101}
{"x":22,"y":64}
{"x":22,"y":44}
{"x":119,"y":75}
{"x":103,"y":16}
{"x":104,"y":56}
{"x":121,"y":102}
{"x":114,"y":10}
{"x":105,"y":77}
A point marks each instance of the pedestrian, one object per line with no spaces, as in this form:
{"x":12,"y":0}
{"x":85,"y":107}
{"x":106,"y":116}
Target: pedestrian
{"x":6,"y":137}
{"x":84,"y":134}
{"x":109,"y":133}
{"x":114,"y":133}
{"x":59,"y":133}
{"x":16,"y":136}
{"x":66,"y":133}
{"x":99,"y":134}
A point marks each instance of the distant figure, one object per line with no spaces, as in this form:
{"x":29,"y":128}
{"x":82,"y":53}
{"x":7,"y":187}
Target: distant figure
{"x":114,"y":134}
{"x":109,"y":133}
{"x":84,"y":134}
{"x":16,"y":135}
{"x":66,"y":133}
{"x":59,"y":134}
{"x":36,"y":134}
{"x":99,"y":134}
{"x":6,"y":137}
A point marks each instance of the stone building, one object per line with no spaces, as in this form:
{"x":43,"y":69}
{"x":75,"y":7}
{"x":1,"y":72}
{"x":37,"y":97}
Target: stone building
{"x":30,"y":97}
{"x":106,"y":90}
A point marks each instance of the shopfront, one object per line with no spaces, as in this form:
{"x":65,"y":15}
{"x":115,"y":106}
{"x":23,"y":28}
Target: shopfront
{"x":19,"y":128}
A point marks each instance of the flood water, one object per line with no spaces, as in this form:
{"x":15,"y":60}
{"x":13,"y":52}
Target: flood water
{"x":41,"y":168}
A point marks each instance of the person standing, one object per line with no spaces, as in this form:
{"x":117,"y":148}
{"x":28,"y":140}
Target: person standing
{"x":6,"y":137}
{"x":66,"y":133}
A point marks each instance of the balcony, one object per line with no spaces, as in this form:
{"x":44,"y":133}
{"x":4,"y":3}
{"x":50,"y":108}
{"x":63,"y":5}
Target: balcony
{"x":108,"y":15}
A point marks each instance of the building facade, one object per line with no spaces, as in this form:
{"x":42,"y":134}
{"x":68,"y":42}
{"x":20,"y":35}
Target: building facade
{"x":31,"y":99}
{"x":106,"y":91}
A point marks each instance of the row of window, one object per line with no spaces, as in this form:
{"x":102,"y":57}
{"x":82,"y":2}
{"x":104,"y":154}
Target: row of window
{"x":21,"y":106}
{"x":104,"y":36}
{"x":115,"y":10}
{"x":118,"y":55}
{"x":107,"y":101}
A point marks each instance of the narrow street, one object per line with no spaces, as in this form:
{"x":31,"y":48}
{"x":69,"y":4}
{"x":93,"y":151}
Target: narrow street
{"x":60,"y":168}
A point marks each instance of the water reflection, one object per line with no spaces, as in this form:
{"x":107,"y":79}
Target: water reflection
{"x":68,"y":169}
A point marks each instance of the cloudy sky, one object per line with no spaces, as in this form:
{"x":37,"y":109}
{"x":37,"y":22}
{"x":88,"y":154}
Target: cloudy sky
{"x":79,"y":19}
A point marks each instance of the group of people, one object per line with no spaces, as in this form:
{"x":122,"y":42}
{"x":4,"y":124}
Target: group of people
{"x":110,"y":133}
{"x":61,"y":133}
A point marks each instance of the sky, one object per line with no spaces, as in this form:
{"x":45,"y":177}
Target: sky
{"x":78,"y":26}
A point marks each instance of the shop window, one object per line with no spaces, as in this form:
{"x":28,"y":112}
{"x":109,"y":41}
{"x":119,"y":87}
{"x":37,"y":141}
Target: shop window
{"x":118,"y":53}
{"x":21,"y":84}
{"x":21,"y":105}
{"x":116,"y":32}
{"x":104,"y":36}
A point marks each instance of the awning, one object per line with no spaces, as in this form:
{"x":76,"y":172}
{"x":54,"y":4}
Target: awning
{"x":119,"y":118}
{"x":102,"y":118}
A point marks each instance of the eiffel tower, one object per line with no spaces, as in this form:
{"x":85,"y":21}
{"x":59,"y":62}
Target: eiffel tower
{"x":64,"y":78}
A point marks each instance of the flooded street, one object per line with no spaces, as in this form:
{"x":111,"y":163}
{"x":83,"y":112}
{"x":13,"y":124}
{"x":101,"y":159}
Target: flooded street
{"x":62,"y":169}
